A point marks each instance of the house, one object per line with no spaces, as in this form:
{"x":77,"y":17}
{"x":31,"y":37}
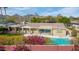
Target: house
{"x":53,"y":29}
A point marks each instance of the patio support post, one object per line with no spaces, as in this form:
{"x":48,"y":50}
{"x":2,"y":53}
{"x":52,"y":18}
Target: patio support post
{"x":15,"y":29}
{"x":22,"y":30}
{"x":29,"y":30}
{"x":51,"y":32}
{"x":38,"y":31}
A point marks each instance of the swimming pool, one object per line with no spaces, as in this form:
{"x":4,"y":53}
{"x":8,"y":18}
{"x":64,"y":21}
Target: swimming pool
{"x":61,"y":41}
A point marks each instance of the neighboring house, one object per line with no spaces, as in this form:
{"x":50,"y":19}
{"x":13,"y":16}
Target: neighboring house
{"x":54,"y":29}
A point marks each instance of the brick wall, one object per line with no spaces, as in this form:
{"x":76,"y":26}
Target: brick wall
{"x":43,"y":48}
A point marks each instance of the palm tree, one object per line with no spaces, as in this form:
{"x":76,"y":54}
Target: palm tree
{"x":1,"y":10}
{"x":5,"y":12}
{"x":1,"y":13}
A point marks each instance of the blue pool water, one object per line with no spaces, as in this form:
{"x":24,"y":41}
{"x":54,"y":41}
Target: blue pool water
{"x":61,"y":41}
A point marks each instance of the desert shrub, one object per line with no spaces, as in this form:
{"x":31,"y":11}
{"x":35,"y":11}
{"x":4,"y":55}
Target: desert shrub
{"x":18,"y":39}
{"x":76,"y":47}
{"x":74,"y":33}
{"x":77,"y":40}
{"x":10,"y":40}
{"x":48,"y":41}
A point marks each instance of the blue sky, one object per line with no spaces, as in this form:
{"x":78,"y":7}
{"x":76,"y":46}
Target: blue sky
{"x":44,"y":11}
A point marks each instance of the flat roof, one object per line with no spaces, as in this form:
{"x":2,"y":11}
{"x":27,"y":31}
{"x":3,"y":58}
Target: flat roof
{"x":39,"y":25}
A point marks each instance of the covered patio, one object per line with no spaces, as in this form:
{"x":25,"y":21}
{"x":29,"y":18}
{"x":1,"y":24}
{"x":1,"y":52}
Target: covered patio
{"x":29,"y":30}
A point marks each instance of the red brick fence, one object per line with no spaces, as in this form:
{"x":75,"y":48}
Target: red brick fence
{"x":51,"y":48}
{"x":39,"y":48}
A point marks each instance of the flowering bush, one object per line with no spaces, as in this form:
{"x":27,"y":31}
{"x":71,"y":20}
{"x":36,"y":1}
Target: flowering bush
{"x":37,"y":40}
{"x":2,"y":48}
{"x":10,"y":47}
{"x":22,"y":48}
{"x":34,"y":40}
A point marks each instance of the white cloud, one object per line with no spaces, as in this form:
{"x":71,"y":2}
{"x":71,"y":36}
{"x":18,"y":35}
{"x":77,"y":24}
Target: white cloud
{"x":19,"y":10}
{"x":22,"y":8}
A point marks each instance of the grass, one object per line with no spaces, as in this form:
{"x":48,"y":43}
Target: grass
{"x":10,"y":35}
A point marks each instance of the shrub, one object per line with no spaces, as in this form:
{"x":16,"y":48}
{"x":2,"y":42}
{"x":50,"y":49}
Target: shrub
{"x":76,"y":47}
{"x":10,"y":48}
{"x":38,"y":40}
{"x":48,"y":41}
{"x":34,"y":40}
{"x":10,"y":40}
{"x":18,"y":39}
{"x":22,"y":48}
{"x":74,"y":33}
{"x":2,"y":48}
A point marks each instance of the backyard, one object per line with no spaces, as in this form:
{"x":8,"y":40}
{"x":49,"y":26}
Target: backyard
{"x":15,"y":42}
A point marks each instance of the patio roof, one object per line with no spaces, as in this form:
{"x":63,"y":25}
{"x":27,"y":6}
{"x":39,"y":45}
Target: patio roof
{"x":45,"y":25}
{"x":25,"y":27}
{"x":14,"y":25}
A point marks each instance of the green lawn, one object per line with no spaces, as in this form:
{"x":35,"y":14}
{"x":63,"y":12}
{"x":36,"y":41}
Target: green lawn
{"x":9,"y":34}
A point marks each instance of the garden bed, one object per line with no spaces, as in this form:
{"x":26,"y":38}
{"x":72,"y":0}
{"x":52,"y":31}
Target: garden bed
{"x":7,"y":39}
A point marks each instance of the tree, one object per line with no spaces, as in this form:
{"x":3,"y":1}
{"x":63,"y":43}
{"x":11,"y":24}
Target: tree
{"x":1,"y":10}
{"x":64,"y":20}
{"x":12,"y":19}
{"x":58,"y":18}
{"x":51,"y":19}
{"x":2,"y":16}
{"x":5,"y":10}
{"x":35,"y":20}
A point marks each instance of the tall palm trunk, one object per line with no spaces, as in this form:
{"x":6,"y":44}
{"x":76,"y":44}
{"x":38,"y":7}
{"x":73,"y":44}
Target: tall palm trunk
{"x":1,"y":10}
{"x":5,"y":13}
{"x":5,"y":10}
{"x":1,"y":13}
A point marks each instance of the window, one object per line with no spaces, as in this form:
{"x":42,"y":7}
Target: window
{"x":45,"y":30}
